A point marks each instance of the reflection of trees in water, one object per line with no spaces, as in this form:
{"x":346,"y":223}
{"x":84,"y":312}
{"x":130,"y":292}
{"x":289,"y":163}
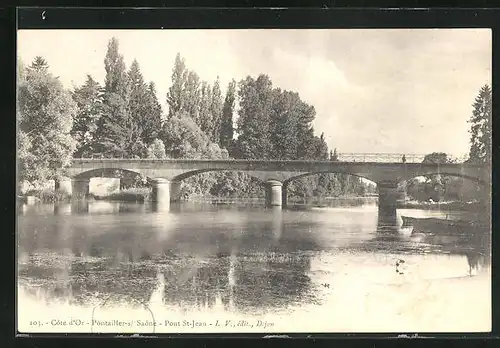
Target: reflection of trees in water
{"x":128,"y":282}
{"x":82,"y":282}
{"x":240,"y":281}
{"x":194,"y":283}
{"x":271,"y":280}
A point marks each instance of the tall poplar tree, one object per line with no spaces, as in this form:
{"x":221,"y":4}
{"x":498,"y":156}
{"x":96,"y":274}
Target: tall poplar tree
{"x":175,"y":95}
{"x":191,"y":95}
{"x":116,"y":75}
{"x":139,"y":107}
{"x":152,"y":123}
{"x":204,"y":119}
{"x":227,"y":131}
{"x":118,"y":133}
{"x":216,"y":106}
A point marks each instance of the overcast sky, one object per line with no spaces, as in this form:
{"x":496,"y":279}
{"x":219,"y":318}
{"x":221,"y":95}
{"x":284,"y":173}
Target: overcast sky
{"x":400,"y":91}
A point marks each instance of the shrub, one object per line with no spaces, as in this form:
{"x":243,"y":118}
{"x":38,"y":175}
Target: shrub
{"x":133,"y":194}
{"x":49,"y":196}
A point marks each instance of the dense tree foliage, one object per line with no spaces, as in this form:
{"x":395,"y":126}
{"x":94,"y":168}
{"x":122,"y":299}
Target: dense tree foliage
{"x":438,"y":187}
{"x":45,"y":119}
{"x":480,"y":130}
{"x":89,"y":100}
{"x":226,"y":127}
{"x":123,"y":118}
{"x":156,"y":150}
{"x":118,"y":134}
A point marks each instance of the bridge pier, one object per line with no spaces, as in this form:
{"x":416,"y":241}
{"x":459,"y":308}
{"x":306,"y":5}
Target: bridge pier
{"x":161,"y":194}
{"x":80,"y":187}
{"x":388,"y":196}
{"x":274,"y":195}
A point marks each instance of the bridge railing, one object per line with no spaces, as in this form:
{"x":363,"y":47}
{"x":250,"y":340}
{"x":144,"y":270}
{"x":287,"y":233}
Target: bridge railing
{"x":380,"y":157}
{"x":342,"y":157}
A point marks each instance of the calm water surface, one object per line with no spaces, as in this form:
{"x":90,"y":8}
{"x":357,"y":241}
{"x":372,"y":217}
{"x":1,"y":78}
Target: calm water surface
{"x":307,"y":269}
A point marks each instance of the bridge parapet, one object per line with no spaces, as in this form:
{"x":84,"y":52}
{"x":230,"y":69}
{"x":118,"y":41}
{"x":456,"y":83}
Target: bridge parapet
{"x":341,"y":157}
{"x":380,"y":157}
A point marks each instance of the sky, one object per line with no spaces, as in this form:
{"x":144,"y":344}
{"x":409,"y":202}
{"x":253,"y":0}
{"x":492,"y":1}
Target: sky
{"x":387,"y":91}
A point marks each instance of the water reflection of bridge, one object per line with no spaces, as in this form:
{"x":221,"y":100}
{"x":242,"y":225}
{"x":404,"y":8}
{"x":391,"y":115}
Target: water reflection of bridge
{"x":264,"y":267}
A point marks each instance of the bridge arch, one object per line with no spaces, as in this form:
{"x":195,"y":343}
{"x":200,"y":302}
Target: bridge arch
{"x":192,"y":173}
{"x":303,"y":175}
{"x":80,"y":183}
{"x":107,"y":173}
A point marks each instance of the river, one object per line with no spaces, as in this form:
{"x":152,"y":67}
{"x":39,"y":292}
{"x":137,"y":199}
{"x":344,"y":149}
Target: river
{"x":122,"y":267}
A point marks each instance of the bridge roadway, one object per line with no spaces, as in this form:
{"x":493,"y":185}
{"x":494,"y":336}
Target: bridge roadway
{"x":166,"y":175}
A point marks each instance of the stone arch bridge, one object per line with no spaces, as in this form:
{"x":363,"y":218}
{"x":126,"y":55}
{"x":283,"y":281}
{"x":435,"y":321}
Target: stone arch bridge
{"x":166,"y":175}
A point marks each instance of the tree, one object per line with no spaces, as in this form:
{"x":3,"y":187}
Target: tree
{"x":89,"y":100}
{"x":39,"y":64}
{"x":183,"y":138}
{"x":46,"y":112}
{"x":204,"y":118}
{"x":138,"y":102}
{"x":436,"y":157}
{"x":226,"y":128}
{"x":119,"y":133}
{"x":156,"y":150}
{"x":334,"y":156}
{"x":434,"y":185}
{"x":254,"y":140}
{"x":151,"y":123}
{"x":284,"y":125}
{"x":216,"y":106}
{"x":305,"y":131}
{"x":175,"y":95}
{"x":480,"y":129}
{"x":191,"y":95}
{"x":321,"y":151}
{"x":116,"y":75}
